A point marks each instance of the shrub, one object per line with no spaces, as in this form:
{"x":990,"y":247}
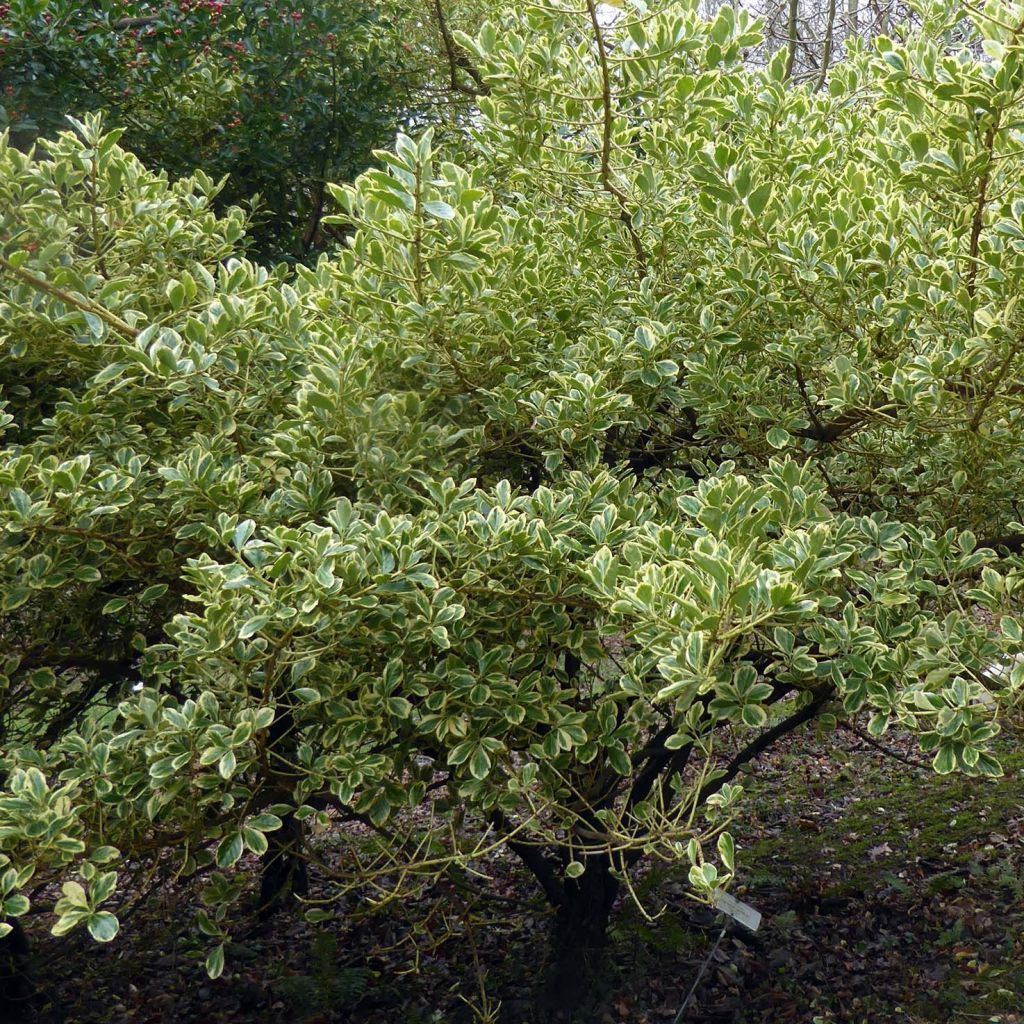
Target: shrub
{"x":687,"y":413}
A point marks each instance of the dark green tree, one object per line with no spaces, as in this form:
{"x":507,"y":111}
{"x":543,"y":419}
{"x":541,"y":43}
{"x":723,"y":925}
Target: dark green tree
{"x":277,"y":97}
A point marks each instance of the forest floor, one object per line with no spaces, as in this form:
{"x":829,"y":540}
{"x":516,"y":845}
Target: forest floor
{"x":888,"y":894}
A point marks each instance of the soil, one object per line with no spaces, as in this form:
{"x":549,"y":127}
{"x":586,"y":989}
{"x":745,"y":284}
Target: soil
{"x":887,"y":894}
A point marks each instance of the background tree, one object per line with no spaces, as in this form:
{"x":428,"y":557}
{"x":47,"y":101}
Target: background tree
{"x":816,"y":33}
{"x":278,"y":97}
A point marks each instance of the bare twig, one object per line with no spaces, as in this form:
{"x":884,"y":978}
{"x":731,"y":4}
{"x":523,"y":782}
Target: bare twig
{"x":882,"y":748}
{"x":608,"y":120}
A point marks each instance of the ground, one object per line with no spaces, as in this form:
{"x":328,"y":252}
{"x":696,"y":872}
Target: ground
{"x":888,"y":894}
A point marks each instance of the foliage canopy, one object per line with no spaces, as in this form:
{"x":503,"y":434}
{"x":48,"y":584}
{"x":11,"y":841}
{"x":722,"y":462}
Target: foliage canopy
{"x":277,"y":97}
{"x":687,"y":410}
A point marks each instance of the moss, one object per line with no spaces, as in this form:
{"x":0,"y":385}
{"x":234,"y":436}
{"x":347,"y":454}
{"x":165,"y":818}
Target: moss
{"x":881,"y":819}
{"x":919,"y":840}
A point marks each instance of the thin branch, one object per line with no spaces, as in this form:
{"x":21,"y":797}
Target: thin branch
{"x":844,"y":423}
{"x":458,"y":58}
{"x":1004,"y":368}
{"x":606,"y":144}
{"x":882,"y":748}
{"x":532,"y":857}
{"x":140,"y":22}
{"x":41,"y":284}
{"x":978,"y":219}
{"x":764,"y":741}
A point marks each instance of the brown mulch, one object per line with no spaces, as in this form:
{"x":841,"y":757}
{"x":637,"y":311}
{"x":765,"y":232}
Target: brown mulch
{"x":888,"y":894}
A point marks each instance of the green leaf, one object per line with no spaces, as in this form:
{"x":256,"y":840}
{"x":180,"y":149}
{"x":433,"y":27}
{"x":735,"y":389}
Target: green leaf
{"x":102,"y":926}
{"x":727,"y":850}
{"x":945,"y":760}
{"x":265,"y":822}
{"x":253,"y":625}
{"x":229,"y":850}
{"x":757,"y":200}
{"x":74,"y":894}
{"x":215,"y":962}
{"x":439,"y":209}
{"x":254,"y":840}
{"x":16,"y":905}
{"x":15,"y":598}
{"x":479,"y":763}
{"x":754,"y":716}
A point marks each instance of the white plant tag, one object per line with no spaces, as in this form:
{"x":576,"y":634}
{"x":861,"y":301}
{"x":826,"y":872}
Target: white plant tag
{"x":737,"y":910}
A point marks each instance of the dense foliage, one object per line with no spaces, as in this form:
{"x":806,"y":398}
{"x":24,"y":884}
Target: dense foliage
{"x":687,"y":411}
{"x":279,"y":97}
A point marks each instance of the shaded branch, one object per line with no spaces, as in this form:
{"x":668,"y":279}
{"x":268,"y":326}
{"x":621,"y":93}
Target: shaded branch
{"x":532,"y":857}
{"x":882,"y":748}
{"x":458,"y":59}
{"x":1013,"y":542}
{"x":764,"y":741}
{"x":845,"y":423}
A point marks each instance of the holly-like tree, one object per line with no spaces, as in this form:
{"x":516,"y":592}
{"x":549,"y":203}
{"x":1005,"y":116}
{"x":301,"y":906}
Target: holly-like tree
{"x":685,"y":412}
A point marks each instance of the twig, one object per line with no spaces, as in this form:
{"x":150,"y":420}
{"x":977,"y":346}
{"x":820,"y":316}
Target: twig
{"x":40,"y":284}
{"x":608,"y":118}
{"x":882,"y":748}
{"x":700,"y":974}
{"x":457,"y":58}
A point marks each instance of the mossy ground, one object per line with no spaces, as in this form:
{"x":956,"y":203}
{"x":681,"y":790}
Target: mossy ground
{"x":898,"y":871}
{"x":889,"y":894}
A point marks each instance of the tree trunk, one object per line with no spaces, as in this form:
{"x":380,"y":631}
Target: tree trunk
{"x":16,"y":989}
{"x":791,"y":36}
{"x":826,"y":53}
{"x":579,"y":942}
{"x":284,"y":868}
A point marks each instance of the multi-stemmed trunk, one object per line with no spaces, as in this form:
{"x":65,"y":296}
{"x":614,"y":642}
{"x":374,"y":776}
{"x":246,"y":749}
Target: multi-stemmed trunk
{"x":284,"y":872}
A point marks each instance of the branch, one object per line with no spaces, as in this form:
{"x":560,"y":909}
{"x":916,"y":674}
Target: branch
{"x":882,"y":748}
{"x":141,"y":22}
{"x":764,"y":741}
{"x":1013,"y":542}
{"x":42,"y":285}
{"x":1001,"y":373}
{"x":543,"y":870}
{"x":978,"y":219}
{"x":845,"y":423}
{"x":458,"y":58}
{"x":791,"y":31}
{"x":608,"y":118}
{"x":660,"y":760}
{"x":826,"y":56}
